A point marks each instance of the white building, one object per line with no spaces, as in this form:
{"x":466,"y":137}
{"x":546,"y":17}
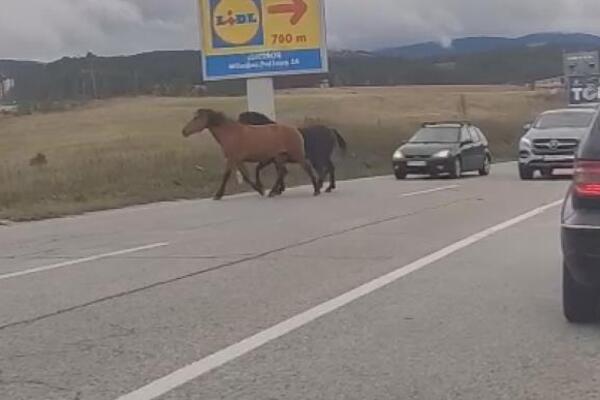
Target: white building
{"x":6,"y":85}
{"x":551,"y":83}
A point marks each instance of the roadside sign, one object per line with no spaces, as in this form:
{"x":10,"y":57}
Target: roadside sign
{"x":583,"y":76}
{"x":262,"y":38}
{"x":584,"y":89}
{"x":582,"y":63}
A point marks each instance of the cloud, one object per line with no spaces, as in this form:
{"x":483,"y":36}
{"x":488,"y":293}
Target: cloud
{"x":392,"y":22}
{"x":48,"y":29}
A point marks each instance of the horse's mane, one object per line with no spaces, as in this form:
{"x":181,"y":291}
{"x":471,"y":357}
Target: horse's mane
{"x":254,"y":118}
{"x":215,"y":118}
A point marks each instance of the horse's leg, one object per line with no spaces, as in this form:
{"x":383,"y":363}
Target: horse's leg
{"x":331,"y":177}
{"x":318,"y":166}
{"x":259,"y":168}
{"x":308,"y":169}
{"x":226,"y":176}
{"x":246,"y":176}
{"x":282,"y":182}
{"x":322,"y":173}
{"x":279,"y":186}
{"x":281,"y":172}
{"x":282,"y":187}
{"x":244,"y":171}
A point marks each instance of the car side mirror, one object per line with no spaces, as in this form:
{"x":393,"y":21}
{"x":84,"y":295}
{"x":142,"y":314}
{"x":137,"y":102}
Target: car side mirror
{"x":527,"y":127}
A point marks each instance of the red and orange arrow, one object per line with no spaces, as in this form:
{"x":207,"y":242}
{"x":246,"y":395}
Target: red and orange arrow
{"x":297,"y":8}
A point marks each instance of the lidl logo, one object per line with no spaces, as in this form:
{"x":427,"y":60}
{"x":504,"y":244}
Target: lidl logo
{"x":236,"y":23}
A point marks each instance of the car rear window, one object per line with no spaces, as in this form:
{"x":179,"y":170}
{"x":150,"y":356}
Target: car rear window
{"x":474,"y":135}
{"x":437,"y":134}
{"x":565,"y":120}
{"x":482,"y":137}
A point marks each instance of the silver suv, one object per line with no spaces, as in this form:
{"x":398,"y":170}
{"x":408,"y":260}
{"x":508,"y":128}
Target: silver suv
{"x":552,"y":141}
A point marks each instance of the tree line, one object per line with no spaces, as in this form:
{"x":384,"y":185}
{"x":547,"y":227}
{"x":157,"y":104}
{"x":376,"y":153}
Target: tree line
{"x":178,"y":73}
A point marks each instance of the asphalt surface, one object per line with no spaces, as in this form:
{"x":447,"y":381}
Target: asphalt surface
{"x":99,"y":306}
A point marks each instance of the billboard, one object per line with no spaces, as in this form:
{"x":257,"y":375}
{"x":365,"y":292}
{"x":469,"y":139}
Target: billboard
{"x":262,"y":38}
{"x":582,"y":71}
{"x":585,"y":89}
{"x":582,"y":64}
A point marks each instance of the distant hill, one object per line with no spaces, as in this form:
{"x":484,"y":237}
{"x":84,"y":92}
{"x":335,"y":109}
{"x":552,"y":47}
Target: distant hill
{"x":473,"y":45}
{"x":178,"y":73}
{"x":12,"y":67}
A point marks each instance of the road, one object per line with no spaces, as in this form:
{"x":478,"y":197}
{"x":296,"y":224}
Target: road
{"x":424,"y":289}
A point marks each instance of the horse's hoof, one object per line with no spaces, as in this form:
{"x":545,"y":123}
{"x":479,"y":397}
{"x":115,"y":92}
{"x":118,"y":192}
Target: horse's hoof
{"x":317,"y":193}
{"x":329,"y":190}
{"x":217,"y":197}
{"x":273,"y":194}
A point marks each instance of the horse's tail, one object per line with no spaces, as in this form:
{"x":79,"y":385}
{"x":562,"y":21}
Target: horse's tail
{"x":340,"y":140}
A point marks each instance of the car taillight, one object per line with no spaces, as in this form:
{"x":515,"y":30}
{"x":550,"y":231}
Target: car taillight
{"x":587,"y":179}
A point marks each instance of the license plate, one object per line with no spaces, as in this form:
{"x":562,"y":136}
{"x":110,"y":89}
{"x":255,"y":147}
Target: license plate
{"x":559,"y":158}
{"x":416,"y":163}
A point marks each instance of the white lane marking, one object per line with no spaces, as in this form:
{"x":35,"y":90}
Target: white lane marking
{"x":80,"y":261}
{"x":188,"y":373}
{"x":428,"y":191}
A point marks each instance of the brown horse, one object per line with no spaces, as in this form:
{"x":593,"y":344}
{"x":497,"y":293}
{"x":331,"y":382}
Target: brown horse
{"x":319,"y":144}
{"x":256,"y":144}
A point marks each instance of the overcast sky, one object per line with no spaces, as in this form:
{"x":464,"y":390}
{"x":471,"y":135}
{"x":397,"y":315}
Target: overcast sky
{"x":50,"y":29}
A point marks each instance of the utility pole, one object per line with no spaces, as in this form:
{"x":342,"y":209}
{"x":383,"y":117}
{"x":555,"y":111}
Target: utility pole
{"x":92,"y":72}
{"x":93,"y":75}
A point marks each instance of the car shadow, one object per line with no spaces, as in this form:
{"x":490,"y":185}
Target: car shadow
{"x":561,"y":178}
{"x":442,"y":177}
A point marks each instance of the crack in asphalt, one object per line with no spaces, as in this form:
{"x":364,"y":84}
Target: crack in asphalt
{"x":79,"y":346}
{"x":230,"y":264}
{"x":36,"y":382}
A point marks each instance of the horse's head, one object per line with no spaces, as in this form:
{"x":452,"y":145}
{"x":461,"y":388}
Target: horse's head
{"x":203,"y":119}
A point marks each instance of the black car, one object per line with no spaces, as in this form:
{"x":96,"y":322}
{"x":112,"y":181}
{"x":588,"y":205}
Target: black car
{"x":581,"y":233}
{"x":444,"y":148}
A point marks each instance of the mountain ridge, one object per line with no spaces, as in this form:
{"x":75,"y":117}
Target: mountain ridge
{"x":481,"y":44}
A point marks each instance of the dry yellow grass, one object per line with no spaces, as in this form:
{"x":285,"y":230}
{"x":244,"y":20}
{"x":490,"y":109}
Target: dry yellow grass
{"x":129,"y":151}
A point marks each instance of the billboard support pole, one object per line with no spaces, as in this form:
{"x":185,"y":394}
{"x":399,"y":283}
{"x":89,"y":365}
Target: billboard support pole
{"x":261,"y":96}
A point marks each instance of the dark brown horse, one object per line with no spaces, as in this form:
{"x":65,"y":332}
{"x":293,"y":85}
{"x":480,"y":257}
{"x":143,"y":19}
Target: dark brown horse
{"x":319,"y":144}
{"x":258,"y":144}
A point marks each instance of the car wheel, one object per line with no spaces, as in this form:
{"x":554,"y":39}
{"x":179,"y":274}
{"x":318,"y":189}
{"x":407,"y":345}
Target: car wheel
{"x":487,"y":166}
{"x":400,"y":173}
{"x":525,"y":173}
{"x":580,"y":303}
{"x":456,"y":169}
